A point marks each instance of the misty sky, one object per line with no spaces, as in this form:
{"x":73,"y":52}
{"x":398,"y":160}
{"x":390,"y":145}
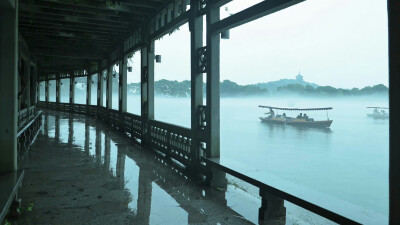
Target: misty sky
{"x":341,"y":43}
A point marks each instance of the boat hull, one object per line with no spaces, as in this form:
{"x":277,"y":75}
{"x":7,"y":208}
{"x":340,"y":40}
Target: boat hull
{"x":298,"y":123}
{"x":382,"y":117}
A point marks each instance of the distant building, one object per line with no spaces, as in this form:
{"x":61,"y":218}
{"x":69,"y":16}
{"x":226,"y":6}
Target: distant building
{"x":299,"y":77}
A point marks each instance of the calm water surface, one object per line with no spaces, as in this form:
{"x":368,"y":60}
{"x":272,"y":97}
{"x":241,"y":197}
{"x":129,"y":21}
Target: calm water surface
{"x":348,"y":162}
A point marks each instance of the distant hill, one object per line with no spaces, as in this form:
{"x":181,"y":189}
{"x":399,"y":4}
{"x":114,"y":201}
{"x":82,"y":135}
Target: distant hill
{"x":182,"y":89}
{"x":231,"y":89}
{"x":274,"y":85}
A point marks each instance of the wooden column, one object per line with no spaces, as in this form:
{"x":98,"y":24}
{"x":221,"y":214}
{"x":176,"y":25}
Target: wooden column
{"x":27,"y":79}
{"x":213,"y":112}
{"x":100,"y":83}
{"x":8,"y":85}
{"x":123,"y":73}
{"x":196,"y":42}
{"x":216,"y":178}
{"x":394,"y":126}
{"x":147,"y":82}
{"x":46,"y":89}
{"x":72,"y":88}
{"x":37,"y":91}
{"x":88,"y":89}
{"x":34,"y":98}
{"x":58,"y":89}
{"x":109,"y":87}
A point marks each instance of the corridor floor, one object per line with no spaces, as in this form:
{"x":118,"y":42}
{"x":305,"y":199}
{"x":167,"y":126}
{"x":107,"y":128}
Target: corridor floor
{"x":80,"y":171}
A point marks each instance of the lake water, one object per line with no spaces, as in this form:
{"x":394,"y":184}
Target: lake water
{"x":348,"y":162}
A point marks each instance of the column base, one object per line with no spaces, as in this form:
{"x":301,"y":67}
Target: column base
{"x":272,"y":210}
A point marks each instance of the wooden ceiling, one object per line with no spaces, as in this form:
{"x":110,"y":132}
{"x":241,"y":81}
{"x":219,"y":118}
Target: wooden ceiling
{"x":69,"y":34}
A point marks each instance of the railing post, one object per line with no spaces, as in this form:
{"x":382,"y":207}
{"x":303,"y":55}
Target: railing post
{"x":8,"y":85}
{"x":196,"y":42}
{"x":272,"y":210}
{"x":147,"y":82}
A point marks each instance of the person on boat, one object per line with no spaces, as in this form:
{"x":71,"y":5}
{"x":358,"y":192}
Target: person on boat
{"x":271,"y":113}
{"x":300,"y":116}
{"x":305,"y":116}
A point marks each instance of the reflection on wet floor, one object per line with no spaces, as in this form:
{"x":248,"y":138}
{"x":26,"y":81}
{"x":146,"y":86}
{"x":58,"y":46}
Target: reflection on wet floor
{"x":80,"y":171}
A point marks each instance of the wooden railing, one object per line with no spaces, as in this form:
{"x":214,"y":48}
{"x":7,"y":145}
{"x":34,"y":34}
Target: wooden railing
{"x":25,"y":115}
{"x":175,"y":142}
{"x":29,"y":122}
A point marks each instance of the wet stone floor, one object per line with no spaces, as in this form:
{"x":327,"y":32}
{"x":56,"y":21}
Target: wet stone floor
{"x":80,"y":171}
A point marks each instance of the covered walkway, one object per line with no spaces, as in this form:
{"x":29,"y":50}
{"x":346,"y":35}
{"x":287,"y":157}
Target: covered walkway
{"x":79,"y":171}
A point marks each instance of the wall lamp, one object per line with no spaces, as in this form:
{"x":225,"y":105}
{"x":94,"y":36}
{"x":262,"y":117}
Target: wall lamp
{"x":158,"y":58}
{"x":129,"y":68}
{"x":225,"y":34}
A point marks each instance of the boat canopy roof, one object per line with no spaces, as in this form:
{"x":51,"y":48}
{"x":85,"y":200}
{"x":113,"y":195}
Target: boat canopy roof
{"x":376,"y":107}
{"x":296,"y":109}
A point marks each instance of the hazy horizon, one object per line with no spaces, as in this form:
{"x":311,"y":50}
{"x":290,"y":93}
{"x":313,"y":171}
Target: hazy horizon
{"x":338,"y":43}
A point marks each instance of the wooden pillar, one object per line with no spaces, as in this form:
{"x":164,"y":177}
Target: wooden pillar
{"x":109,"y":86}
{"x":34,"y":98}
{"x":196,"y":42}
{"x":123,"y":73}
{"x":147,"y":89}
{"x":72,"y":88}
{"x":100,"y":83}
{"x":46,"y":89}
{"x":8,"y":85}
{"x":37,"y":91}
{"x":88,"y":88}
{"x":58,"y":89}
{"x":394,"y":126}
{"x":27,"y":79}
{"x":212,"y":111}
{"x":216,"y":178}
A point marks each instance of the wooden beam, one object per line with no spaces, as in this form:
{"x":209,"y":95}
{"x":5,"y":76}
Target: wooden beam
{"x":67,"y":54}
{"x":46,"y":27}
{"x":64,"y":21}
{"x":252,"y":13}
{"x":100,"y":7}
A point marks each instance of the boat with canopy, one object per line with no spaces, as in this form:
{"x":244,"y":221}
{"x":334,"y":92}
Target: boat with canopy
{"x":378,"y":112}
{"x":302,"y":120}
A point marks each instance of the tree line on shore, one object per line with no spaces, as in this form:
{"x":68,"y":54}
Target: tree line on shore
{"x":231,"y":89}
